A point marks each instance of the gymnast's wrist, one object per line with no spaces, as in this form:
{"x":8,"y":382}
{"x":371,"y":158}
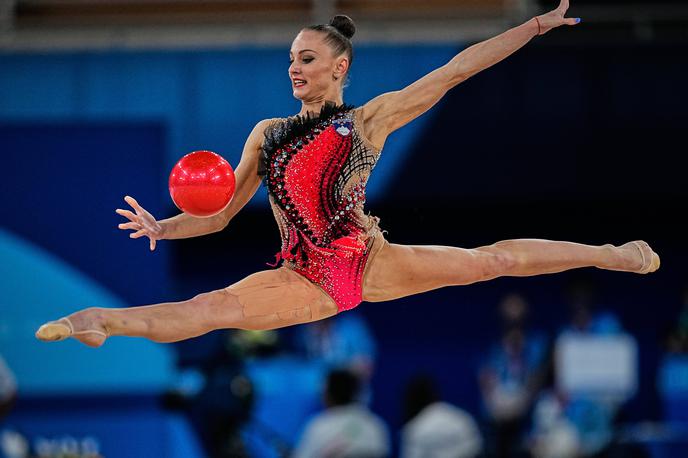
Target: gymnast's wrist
{"x":537,"y":26}
{"x":164,"y":229}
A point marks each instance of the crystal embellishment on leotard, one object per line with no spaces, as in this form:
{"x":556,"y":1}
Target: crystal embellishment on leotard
{"x":315,"y":169}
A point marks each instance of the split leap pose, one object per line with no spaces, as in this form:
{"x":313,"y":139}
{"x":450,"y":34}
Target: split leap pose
{"x":334,"y":256}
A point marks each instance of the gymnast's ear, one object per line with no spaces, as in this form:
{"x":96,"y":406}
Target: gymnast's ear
{"x":341,"y":67}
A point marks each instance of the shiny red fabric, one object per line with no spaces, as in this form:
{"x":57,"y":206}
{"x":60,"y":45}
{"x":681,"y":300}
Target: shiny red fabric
{"x":316,"y":172}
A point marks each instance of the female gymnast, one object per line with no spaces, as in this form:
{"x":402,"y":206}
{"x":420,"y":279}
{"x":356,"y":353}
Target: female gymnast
{"x":316,"y":165}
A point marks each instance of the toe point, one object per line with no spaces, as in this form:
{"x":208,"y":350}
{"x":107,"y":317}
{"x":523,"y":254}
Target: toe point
{"x":51,"y":332}
{"x":655,"y":262}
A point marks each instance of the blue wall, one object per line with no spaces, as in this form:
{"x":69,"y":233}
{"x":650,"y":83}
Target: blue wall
{"x":204,"y":100}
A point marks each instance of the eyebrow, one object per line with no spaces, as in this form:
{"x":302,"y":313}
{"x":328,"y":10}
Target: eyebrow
{"x":304,"y":50}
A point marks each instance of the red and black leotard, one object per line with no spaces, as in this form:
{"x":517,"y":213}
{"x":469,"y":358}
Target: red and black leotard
{"x":316,"y":169}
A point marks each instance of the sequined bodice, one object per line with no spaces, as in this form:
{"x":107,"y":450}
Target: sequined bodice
{"x":316,"y":171}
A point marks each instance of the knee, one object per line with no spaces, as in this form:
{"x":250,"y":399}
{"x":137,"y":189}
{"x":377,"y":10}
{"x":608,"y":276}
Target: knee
{"x":497,"y":261}
{"x":201,"y":302}
{"x":216,"y":309}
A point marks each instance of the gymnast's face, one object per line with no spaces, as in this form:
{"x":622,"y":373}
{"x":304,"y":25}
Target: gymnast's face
{"x":314,"y":71}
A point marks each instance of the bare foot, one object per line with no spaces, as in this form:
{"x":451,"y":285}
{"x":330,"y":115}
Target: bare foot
{"x":638,"y":257}
{"x":87,"y":326}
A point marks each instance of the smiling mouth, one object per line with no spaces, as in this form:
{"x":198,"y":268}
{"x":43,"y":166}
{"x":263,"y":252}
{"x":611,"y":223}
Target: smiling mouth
{"x":299,"y":83}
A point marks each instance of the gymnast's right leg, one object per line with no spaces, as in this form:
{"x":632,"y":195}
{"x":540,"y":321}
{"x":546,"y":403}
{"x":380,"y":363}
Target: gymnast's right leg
{"x":265,"y":300}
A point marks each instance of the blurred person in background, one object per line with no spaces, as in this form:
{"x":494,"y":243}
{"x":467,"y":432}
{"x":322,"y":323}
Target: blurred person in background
{"x":672,"y":378}
{"x":346,"y":429}
{"x":12,"y":443}
{"x":8,"y":389}
{"x":216,"y":393}
{"x":591,"y":411}
{"x":553,"y":435}
{"x":343,"y":342}
{"x":586,"y":315}
{"x":511,"y":377}
{"x":436,"y":429}
{"x":316,"y":166}
{"x":226,"y":400}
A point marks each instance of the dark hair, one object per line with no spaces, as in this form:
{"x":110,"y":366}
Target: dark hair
{"x":342,"y":388}
{"x":338,"y":35}
{"x":420,"y":392}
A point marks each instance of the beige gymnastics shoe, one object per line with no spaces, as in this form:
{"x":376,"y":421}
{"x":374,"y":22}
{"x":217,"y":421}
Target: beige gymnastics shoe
{"x":54,"y":331}
{"x":650,"y":259}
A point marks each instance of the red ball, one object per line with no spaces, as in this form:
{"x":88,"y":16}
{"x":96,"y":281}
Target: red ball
{"x":202,"y":184}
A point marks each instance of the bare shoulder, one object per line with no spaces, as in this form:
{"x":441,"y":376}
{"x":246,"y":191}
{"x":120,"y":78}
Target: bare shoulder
{"x":257,"y":135}
{"x":375,"y":131}
{"x":262,"y":126}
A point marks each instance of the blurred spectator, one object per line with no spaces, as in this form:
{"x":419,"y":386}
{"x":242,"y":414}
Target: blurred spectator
{"x":12,"y":444}
{"x":8,"y":389}
{"x":511,"y":377}
{"x":586,"y":316}
{"x":217,"y":395}
{"x":341,"y":342}
{"x":554,"y":436}
{"x":435,"y":429}
{"x":672,"y":379}
{"x":591,"y":394}
{"x":346,"y":428}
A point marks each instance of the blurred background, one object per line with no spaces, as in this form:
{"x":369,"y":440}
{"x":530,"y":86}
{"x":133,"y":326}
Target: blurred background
{"x":579,"y":136}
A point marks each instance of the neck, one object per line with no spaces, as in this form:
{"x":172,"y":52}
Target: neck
{"x":314,"y":106}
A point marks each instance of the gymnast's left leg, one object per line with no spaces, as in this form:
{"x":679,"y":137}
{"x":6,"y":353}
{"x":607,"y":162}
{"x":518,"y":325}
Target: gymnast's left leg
{"x":402,"y":270}
{"x":264,"y":300}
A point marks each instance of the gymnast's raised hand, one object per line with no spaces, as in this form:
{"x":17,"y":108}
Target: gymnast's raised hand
{"x":555,"y":18}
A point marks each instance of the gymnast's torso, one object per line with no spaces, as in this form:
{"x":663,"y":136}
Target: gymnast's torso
{"x":316,"y":170}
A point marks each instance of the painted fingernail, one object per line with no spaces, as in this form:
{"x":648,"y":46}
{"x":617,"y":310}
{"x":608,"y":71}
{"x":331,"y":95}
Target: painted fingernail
{"x":578,"y":20}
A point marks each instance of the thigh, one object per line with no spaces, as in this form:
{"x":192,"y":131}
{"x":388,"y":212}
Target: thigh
{"x":402,"y":270}
{"x":277,"y":298}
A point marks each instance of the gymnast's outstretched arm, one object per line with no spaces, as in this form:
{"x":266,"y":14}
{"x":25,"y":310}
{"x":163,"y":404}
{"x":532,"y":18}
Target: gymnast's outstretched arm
{"x":390,"y":111}
{"x":186,"y":226}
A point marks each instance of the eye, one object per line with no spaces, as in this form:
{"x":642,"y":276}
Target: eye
{"x":305,"y":60}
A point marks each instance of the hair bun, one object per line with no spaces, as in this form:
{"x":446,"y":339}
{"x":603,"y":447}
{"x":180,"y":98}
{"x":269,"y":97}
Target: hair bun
{"x":344,"y":25}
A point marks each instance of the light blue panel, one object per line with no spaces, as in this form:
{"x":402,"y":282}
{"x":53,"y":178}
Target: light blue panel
{"x":151,"y":86}
{"x":181,"y":440}
{"x":225,"y":114}
{"x":127,"y":429}
{"x":132,"y":85}
{"x":282,"y":384}
{"x":32,"y":282}
{"x":37,"y":86}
